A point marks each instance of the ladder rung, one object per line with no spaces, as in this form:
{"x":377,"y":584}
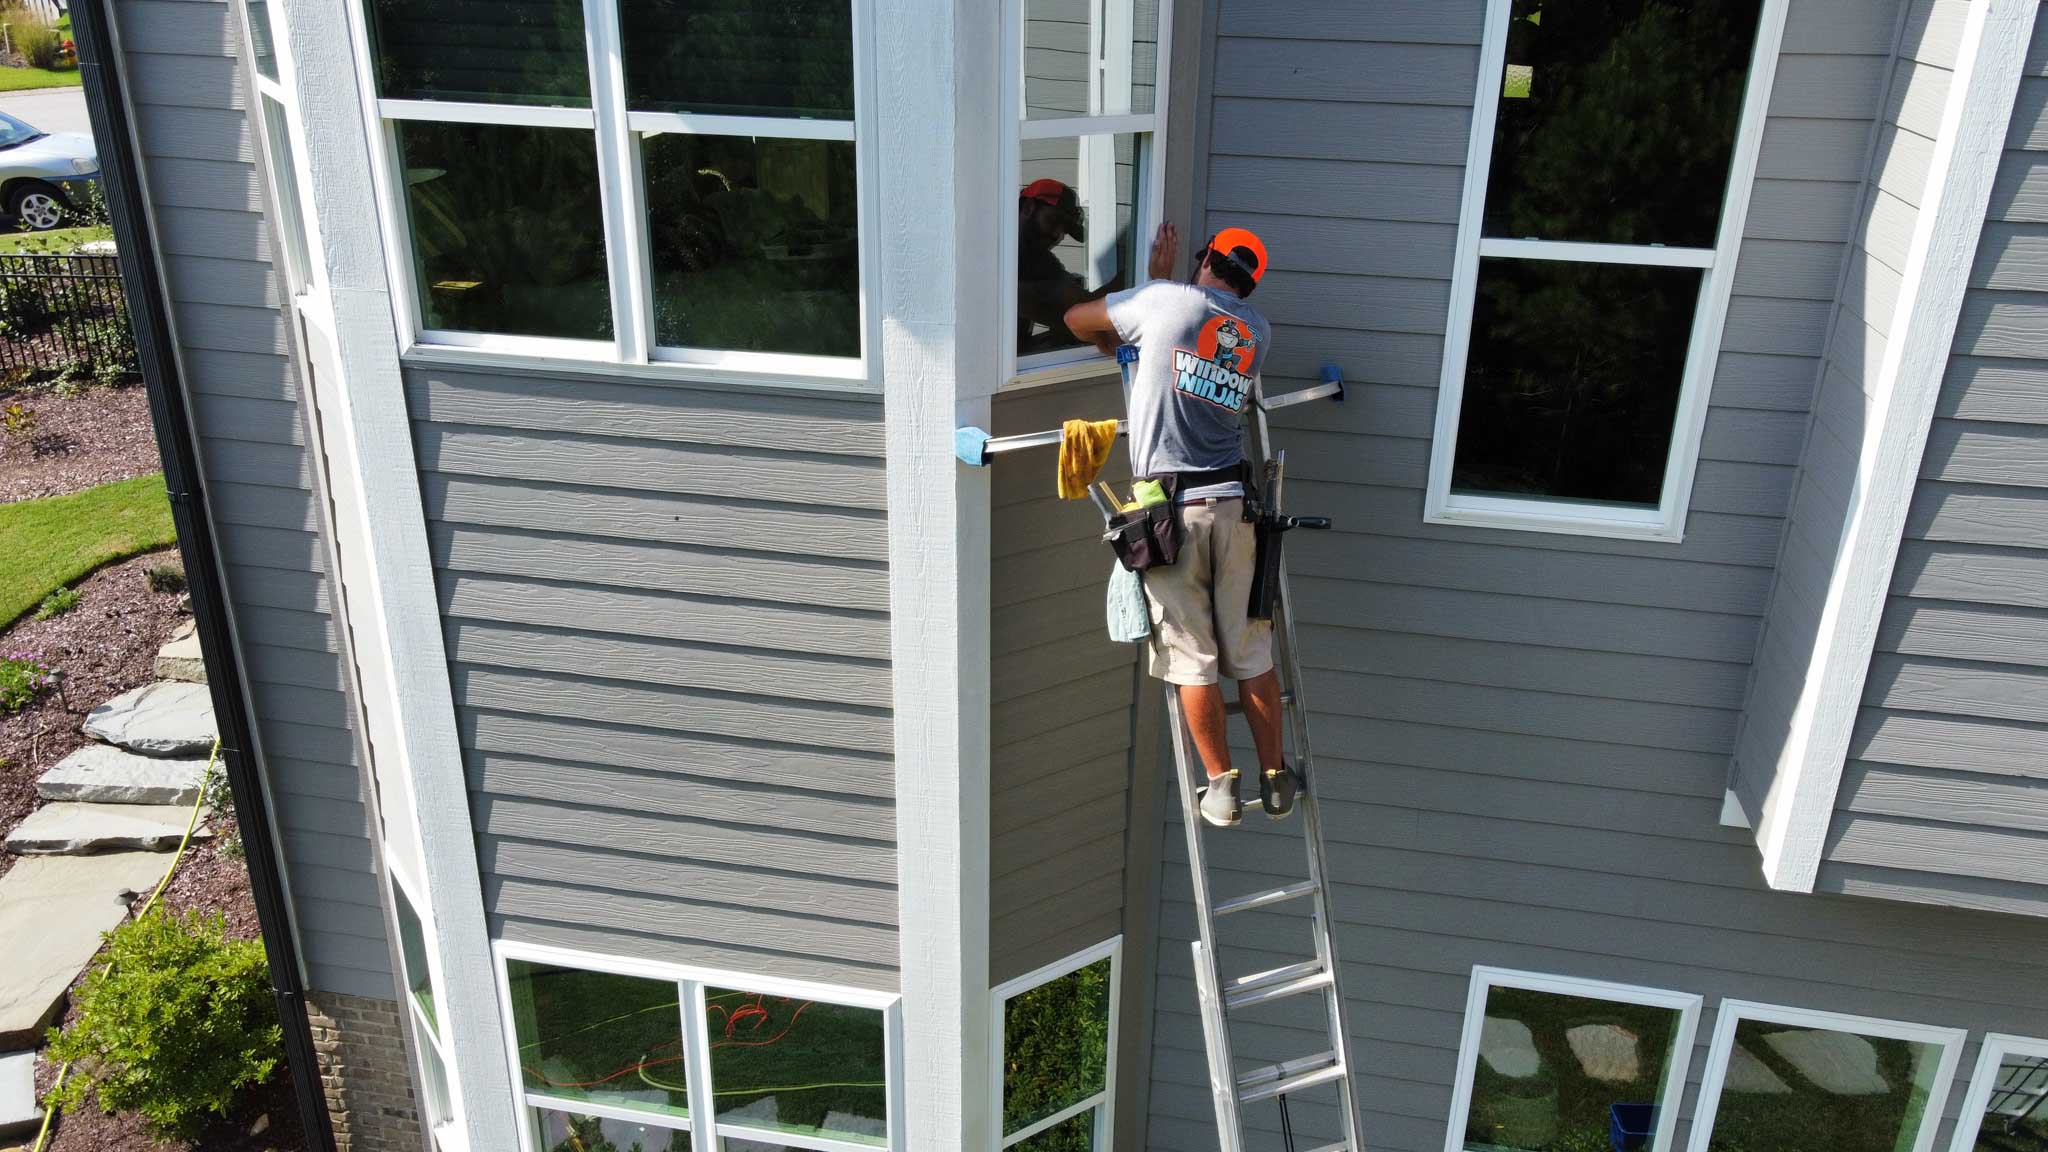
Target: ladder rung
{"x":1280,"y":983}
{"x":1290,"y":1076}
{"x":1235,"y":707}
{"x":1339,"y":1146}
{"x":1262,"y":899}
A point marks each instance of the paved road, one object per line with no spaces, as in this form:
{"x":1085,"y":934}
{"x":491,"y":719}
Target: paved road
{"x":51,"y":109}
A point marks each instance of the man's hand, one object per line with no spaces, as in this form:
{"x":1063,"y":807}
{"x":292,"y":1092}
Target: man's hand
{"x":1165,"y":250}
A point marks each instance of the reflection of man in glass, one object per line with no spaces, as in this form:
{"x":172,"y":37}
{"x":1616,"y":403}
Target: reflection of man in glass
{"x":1049,"y":212}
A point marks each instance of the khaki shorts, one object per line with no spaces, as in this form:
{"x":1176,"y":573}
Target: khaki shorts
{"x":1199,"y":626}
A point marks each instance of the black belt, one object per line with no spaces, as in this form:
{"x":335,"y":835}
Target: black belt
{"x":1188,"y":481}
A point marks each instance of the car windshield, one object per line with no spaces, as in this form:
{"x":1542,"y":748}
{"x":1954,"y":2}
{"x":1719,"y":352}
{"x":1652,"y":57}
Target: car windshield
{"x":13,"y":132}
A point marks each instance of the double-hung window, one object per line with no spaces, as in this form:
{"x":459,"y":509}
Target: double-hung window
{"x":622,"y":1054}
{"x":1054,"y":1046}
{"x":422,"y":1005}
{"x":1085,"y":102}
{"x":629,"y":181}
{"x":1613,"y":146}
{"x":278,"y":134}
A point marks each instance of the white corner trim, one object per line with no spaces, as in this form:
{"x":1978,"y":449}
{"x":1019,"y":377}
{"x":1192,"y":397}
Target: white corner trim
{"x":1732,"y":1012}
{"x":1965,"y":163}
{"x":1997,"y":1046}
{"x":1485,"y":980}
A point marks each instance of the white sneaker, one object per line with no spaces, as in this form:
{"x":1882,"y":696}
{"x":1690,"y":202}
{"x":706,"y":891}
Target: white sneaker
{"x":1220,"y":806}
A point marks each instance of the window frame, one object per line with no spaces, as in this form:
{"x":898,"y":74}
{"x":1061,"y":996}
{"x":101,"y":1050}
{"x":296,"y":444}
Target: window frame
{"x":706,"y":1132}
{"x":1718,"y":271}
{"x":449,"y":1131}
{"x":310,"y":281}
{"x":632,"y":351}
{"x":1485,"y":978}
{"x":1984,"y":1080}
{"x":1103,"y":1102}
{"x":1730,"y":1013}
{"x":1149,"y":191}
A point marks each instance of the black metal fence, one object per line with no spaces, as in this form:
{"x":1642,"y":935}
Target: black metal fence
{"x":63,"y":316}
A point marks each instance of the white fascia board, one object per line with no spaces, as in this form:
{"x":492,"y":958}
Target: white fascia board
{"x":1800,"y":808}
{"x":934,"y":87}
{"x":400,"y":606}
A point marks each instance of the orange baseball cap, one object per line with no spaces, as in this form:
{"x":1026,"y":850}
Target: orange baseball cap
{"x":1243,"y":248}
{"x":1066,"y":204}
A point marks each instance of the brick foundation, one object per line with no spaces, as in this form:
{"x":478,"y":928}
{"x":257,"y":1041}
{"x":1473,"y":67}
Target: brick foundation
{"x":364,"y":1072}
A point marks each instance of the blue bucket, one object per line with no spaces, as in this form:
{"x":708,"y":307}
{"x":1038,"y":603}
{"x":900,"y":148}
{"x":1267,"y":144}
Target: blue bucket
{"x":1632,"y":1126}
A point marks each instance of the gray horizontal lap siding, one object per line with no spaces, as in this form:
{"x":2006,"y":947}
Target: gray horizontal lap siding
{"x":1061,"y":699}
{"x":1961,"y":662}
{"x":1523,"y":739}
{"x":666,"y":612}
{"x":198,"y":154}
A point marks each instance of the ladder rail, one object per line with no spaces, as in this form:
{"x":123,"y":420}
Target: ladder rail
{"x":1216,"y":1026}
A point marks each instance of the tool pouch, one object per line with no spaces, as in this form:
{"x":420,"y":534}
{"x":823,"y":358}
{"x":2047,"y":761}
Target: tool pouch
{"x":1266,"y":537}
{"x":1148,"y":537}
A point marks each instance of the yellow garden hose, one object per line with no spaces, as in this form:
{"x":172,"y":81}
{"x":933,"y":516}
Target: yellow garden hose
{"x":191,"y":826}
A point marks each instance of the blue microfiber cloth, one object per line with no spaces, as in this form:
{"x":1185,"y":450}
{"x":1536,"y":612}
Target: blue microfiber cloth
{"x":1130,"y":619}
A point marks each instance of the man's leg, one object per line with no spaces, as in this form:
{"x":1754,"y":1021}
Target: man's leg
{"x":1261,"y":698}
{"x":1208,"y":723}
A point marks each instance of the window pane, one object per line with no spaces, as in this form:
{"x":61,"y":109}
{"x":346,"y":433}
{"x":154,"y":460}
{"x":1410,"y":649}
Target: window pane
{"x":1572,"y":381}
{"x":1075,"y":232}
{"x":2016,"y":1115}
{"x":1552,"y":1068}
{"x":284,"y":178}
{"x":1798,"y":1088}
{"x":599,"y":1037}
{"x":488,"y":51}
{"x":507,"y":231}
{"x":1055,"y":1046}
{"x":1074,"y":1134}
{"x":262,"y":40}
{"x":739,"y":57}
{"x":754,"y":243}
{"x":412,"y":941}
{"x":1617,"y":119}
{"x":567,"y":1132}
{"x":439,"y":1110}
{"x":1057,"y":71}
{"x":798,"y":1066}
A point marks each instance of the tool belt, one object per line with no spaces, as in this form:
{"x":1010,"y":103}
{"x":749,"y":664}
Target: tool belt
{"x":1150,"y":536}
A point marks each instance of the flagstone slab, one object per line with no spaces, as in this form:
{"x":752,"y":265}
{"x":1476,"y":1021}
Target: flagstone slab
{"x":1840,"y":1063}
{"x":1606,"y":1052}
{"x":18,"y":1111}
{"x":1509,"y":1048}
{"x":52,"y":912}
{"x":167,"y":718}
{"x":180,"y":659}
{"x":1748,"y":1073}
{"x":70,"y":829}
{"x":104,"y":774}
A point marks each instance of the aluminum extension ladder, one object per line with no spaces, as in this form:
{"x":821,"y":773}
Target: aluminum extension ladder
{"x":1223,"y":998}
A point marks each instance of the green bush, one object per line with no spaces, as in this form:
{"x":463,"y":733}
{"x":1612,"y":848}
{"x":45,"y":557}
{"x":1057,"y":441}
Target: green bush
{"x":24,"y":308}
{"x":165,"y":577}
{"x":22,"y":678}
{"x":177,"y":1022}
{"x":37,"y":44}
{"x":57,"y":603}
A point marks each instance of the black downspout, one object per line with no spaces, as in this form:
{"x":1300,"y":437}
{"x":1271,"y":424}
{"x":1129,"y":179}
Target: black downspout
{"x":149,"y":315}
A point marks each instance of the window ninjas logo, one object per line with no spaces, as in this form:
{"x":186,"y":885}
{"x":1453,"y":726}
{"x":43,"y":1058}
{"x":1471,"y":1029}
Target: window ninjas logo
{"x":1218,"y":370}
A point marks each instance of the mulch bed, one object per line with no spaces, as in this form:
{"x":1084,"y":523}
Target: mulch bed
{"x":96,"y":437}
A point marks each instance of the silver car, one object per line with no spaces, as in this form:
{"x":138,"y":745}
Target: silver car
{"x":44,"y":176}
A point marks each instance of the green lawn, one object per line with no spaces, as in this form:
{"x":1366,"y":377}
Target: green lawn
{"x":57,"y":240}
{"x":47,"y":544}
{"x":17,"y":79}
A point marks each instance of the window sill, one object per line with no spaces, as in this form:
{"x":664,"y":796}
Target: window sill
{"x":852,"y":382}
{"x":1556,"y":518}
{"x":1093,"y":367}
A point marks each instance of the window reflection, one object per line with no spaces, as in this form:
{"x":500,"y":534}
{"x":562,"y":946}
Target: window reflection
{"x":1075,"y":242}
{"x":1799,"y":1088}
{"x":507,"y":229}
{"x":754,"y":244}
{"x":2016,"y":1114}
{"x":1618,"y":119}
{"x":1565,"y":1072}
{"x":739,"y":57}
{"x":493,"y":51}
{"x":1057,"y":72}
{"x":802,"y":1067}
{"x":1571,"y":385}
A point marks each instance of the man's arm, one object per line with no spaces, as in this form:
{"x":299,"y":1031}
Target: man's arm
{"x":1089,"y":320}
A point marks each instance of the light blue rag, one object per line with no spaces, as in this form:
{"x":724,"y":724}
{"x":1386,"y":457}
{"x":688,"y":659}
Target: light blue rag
{"x":1130,"y":618}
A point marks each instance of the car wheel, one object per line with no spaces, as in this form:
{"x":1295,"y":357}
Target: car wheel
{"x":36,"y":206}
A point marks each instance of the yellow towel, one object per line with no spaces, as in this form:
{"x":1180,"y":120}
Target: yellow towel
{"x":1084,"y":449}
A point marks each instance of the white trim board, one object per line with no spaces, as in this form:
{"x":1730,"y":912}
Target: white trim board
{"x":1732,"y":1012}
{"x":1990,"y":1056}
{"x":1665,"y":522}
{"x":1485,"y":979}
{"x":1799,"y":809}
{"x":1104,"y":1101}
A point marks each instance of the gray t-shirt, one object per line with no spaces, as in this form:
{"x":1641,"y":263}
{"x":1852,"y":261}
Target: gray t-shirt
{"x":1198,"y":357}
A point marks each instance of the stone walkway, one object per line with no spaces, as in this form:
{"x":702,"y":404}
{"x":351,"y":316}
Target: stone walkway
{"x":112,"y":813}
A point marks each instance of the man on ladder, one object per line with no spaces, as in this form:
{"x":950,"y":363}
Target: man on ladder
{"x":1199,"y":345}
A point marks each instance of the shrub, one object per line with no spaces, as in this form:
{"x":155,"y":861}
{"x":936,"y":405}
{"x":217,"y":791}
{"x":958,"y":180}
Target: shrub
{"x":165,"y":577}
{"x":38,"y":44}
{"x":23,"y":677}
{"x":57,"y":603}
{"x":18,"y":420}
{"x":175,"y":1024}
{"x":24,"y":307}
